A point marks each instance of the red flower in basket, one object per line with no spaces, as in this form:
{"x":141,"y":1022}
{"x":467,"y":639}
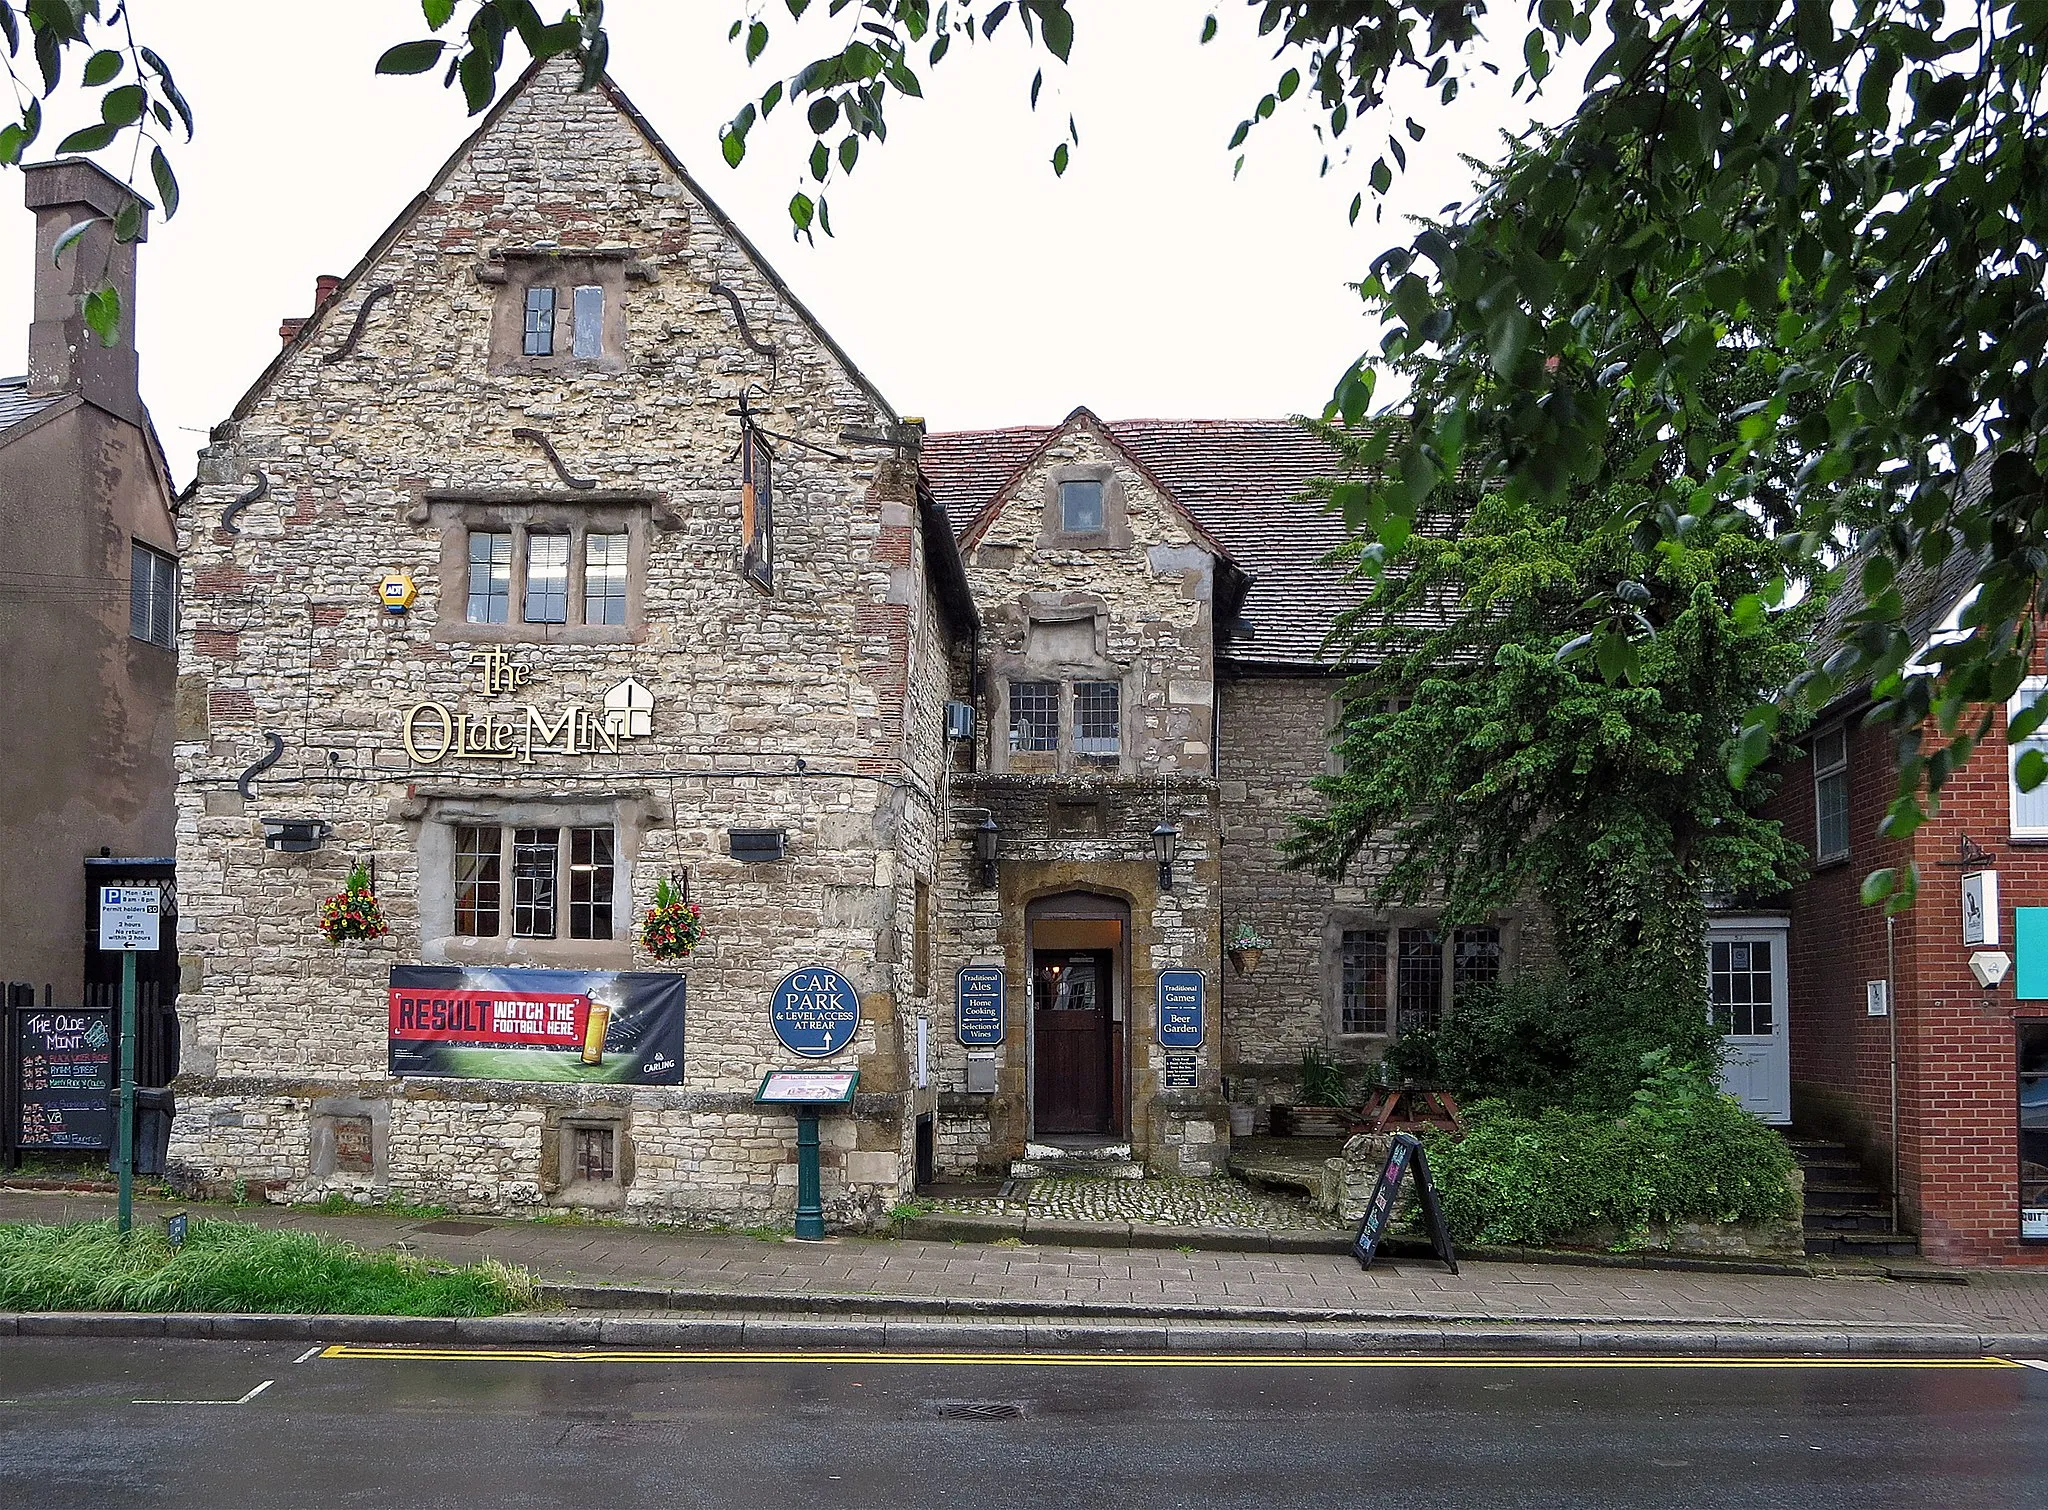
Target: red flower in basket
{"x":353,"y":913}
{"x":672,"y":927}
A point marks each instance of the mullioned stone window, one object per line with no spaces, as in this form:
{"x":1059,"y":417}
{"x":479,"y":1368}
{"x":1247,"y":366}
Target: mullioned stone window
{"x":560,"y":310}
{"x":518,"y":879}
{"x":540,"y":570}
{"x":1390,"y":976}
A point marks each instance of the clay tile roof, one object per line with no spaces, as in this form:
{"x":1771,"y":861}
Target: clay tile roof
{"x":1242,"y":480}
{"x":18,"y":404}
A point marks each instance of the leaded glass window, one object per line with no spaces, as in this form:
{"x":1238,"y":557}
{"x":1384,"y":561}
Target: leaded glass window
{"x":540,"y":322}
{"x":535,"y":854}
{"x":590,"y":883}
{"x":1034,"y":716}
{"x":477,"y":860}
{"x":604,"y":579}
{"x":547,"y":578}
{"x":490,"y":576}
{"x":1363,"y":1005}
{"x":1096,"y":730}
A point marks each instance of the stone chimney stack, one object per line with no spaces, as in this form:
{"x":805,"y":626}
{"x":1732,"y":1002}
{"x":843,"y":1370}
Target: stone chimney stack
{"x":63,"y":355}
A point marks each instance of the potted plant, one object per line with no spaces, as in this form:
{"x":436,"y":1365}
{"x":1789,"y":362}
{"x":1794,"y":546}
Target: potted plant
{"x":1245,"y":946}
{"x":1323,"y":1110}
{"x":352,"y":912}
{"x":673,"y":925}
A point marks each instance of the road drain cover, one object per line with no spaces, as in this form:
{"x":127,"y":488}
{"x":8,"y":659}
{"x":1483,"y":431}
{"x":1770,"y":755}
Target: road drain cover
{"x":453,"y":1229}
{"x":979,"y":1410}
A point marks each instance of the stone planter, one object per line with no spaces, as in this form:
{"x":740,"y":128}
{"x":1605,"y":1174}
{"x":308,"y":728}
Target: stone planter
{"x":1244,"y":1121}
{"x":1245,"y":961}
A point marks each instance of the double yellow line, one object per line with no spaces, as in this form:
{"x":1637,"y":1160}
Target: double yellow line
{"x":403,"y":1354}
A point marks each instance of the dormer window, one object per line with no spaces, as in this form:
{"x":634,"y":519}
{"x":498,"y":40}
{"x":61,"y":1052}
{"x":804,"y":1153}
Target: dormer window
{"x":1081,"y":507}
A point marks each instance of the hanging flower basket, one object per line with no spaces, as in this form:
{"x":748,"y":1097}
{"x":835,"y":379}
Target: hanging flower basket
{"x":353,"y":912}
{"x":672,"y":926}
{"x":1245,"y":947}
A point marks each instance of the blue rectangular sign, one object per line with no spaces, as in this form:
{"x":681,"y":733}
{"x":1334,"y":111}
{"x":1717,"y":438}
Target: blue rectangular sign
{"x":2030,"y":943}
{"x":1180,"y":1009}
{"x":978,"y":1007}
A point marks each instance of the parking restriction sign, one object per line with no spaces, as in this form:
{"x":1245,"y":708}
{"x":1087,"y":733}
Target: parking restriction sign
{"x":128,"y":917}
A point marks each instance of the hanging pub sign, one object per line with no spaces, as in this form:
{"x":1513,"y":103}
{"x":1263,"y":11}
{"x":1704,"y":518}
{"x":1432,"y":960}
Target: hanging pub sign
{"x":1980,"y":908}
{"x":1180,"y":1009}
{"x":757,"y":511}
{"x":815,"y":1011}
{"x":979,"y":1006}
{"x":598,"y":1026}
{"x":64,"y":1063}
{"x":1406,"y":1154}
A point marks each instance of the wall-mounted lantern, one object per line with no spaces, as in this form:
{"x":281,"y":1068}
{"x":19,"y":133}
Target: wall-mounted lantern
{"x":1165,"y":845}
{"x":757,"y":846}
{"x":985,"y":849}
{"x":295,"y":836}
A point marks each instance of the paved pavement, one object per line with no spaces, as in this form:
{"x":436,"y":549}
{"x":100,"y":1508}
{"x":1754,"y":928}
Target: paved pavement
{"x":706,"y":1270}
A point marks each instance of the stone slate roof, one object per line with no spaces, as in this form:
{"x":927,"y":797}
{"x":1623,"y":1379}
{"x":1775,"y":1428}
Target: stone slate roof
{"x":17,"y":404}
{"x":1242,"y":480}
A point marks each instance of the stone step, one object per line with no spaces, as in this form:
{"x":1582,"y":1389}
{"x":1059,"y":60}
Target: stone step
{"x":1819,"y":1150}
{"x":1824,"y":1219}
{"x":1059,"y":1153}
{"x":1830,"y":1193}
{"x":1093,"y":1169}
{"x":1863,"y":1244}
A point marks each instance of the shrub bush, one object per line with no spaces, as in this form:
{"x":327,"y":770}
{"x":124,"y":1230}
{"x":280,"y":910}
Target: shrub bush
{"x":1547,"y":1040}
{"x":1682,"y":1152}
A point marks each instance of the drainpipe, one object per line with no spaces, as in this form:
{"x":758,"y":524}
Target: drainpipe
{"x":1891,"y":1018}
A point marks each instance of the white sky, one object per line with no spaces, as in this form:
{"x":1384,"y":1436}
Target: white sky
{"x":968,"y":282}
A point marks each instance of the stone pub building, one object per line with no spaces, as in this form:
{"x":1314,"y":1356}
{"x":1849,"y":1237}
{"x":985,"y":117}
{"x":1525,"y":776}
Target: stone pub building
{"x":561,"y":553}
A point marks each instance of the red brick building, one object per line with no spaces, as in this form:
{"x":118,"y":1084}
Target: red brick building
{"x":1895,"y":1047}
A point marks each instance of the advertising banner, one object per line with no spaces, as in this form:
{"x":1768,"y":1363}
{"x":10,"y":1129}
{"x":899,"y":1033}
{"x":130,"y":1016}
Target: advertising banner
{"x":623,"y":1028}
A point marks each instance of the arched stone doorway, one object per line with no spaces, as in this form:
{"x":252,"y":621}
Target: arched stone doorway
{"x":1079,"y":968}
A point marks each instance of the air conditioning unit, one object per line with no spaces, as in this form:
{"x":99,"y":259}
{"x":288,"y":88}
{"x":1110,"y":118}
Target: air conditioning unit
{"x":960,"y":721}
{"x":759,"y":846}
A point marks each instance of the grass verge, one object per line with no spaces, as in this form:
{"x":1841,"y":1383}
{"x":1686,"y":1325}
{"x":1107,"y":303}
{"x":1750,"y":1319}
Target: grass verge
{"x":232,"y":1266}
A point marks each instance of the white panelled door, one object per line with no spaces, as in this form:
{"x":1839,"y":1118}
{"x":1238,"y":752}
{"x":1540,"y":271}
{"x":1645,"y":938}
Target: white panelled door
{"x":1746,"y":994}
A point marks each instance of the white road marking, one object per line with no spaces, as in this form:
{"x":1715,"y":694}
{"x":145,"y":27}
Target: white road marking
{"x":311,"y":1352}
{"x":2040,"y":1363}
{"x":259,"y":1389}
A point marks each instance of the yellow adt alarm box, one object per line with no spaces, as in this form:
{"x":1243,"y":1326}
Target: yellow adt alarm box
{"x":397,"y":591}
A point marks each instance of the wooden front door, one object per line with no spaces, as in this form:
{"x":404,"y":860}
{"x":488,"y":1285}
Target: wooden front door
{"x":1071,"y":1041}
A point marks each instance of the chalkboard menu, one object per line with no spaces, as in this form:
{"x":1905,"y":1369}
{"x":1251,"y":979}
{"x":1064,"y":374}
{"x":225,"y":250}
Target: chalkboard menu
{"x":65,"y":1064}
{"x":1405,"y":1155}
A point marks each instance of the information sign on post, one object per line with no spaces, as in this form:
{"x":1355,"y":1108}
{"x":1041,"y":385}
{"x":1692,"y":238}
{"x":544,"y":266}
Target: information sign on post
{"x":979,"y":1006}
{"x":805,"y":1091}
{"x":129,"y":916}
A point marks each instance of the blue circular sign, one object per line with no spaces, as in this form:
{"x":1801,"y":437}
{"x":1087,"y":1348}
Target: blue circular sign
{"x":815,"y":1011}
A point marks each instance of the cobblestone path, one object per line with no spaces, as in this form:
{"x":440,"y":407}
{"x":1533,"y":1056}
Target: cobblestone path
{"x":1160,"y":1200}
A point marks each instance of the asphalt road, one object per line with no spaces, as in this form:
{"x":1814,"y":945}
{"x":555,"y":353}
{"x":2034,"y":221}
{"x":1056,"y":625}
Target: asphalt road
{"x":112,"y":1425}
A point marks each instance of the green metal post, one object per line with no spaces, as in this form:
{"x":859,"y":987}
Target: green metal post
{"x":810,"y":1208}
{"x":126,"y":1129}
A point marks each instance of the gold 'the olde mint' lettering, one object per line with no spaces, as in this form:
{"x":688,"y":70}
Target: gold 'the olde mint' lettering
{"x":433,"y":731}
